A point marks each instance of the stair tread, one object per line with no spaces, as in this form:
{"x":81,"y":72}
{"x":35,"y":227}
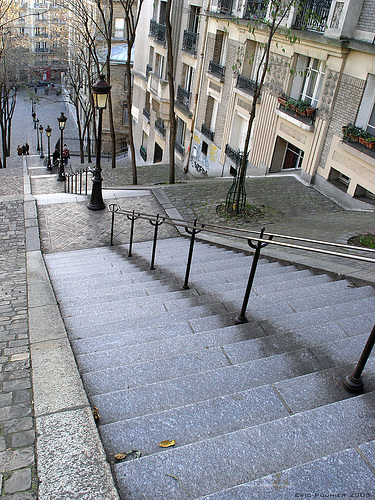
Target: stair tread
{"x":249,"y":453}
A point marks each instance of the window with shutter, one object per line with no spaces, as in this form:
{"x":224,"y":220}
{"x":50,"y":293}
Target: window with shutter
{"x":366,"y":112}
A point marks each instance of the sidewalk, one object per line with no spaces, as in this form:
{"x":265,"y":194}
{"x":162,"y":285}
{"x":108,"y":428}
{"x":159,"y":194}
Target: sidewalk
{"x":68,"y":446}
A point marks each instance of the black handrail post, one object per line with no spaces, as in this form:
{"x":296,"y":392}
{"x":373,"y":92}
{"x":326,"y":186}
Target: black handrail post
{"x":113,"y":208}
{"x":353,"y":383}
{"x":132,"y":218}
{"x":193,"y":232}
{"x":241,"y":318}
{"x":157,"y":223}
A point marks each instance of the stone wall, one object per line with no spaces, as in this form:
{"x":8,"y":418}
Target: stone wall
{"x":366,"y":20}
{"x":344,"y":111}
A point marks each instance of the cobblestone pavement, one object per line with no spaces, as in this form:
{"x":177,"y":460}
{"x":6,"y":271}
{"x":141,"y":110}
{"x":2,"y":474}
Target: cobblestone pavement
{"x":71,"y":226}
{"x":17,"y":458}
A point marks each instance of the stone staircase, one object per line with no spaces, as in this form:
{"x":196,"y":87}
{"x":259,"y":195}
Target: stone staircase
{"x":256,"y":410}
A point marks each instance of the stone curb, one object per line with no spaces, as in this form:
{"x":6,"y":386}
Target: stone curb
{"x":71,"y":461}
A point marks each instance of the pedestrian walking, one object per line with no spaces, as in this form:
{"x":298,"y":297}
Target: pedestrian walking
{"x":66,"y":154}
{"x":27,"y":148}
{"x":19,"y":150}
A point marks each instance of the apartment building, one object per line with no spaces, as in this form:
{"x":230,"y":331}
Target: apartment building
{"x":330,"y":68}
{"x":150,"y":110}
{"x":41,"y":26}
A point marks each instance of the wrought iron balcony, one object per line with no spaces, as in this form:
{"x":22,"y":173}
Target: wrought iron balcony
{"x":146,"y":114}
{"x":246,"y":84}
{"x":143,"y":153}
{"x":217,"y":69}
{"x":225,"y":6}
{"x":235,"y":156}
{"x":313,"y":15}
{"x":183,"y":97}
{"x":157,"y":31}
{"x":148,"y":69}
{"x":160,"y":127}
{"x":41,"y":49}
{"x":179,"y":148}
{"x":255,"y":9}
{"x":207,"y":132}
{"x":189,"y":42}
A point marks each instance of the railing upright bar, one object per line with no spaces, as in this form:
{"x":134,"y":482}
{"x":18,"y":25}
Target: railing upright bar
{"x":132,"y":218}
{"x":156,"y":224}
{"x":80,"y":181}
{"x":354,"y":383}
{"x":87,"y":173}
{"x":241,"y":318}
{"x":193,"y":232}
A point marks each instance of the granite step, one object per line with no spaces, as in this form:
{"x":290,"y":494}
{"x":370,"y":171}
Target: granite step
{"x":231,"y":374}
{"x":344,"y":471}
{"x":224,"y":414}
{"x":248,"y":454}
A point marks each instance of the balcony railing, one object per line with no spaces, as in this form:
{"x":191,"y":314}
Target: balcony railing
{"x":157,"y":31}
{"x":160,"y":127}
{"x":207,"y":132}
{"x":217,"y":69}
{"x":189,"y":42}
{"x":146,"y":114}
{"x":143,"y":153}
{"x":41,"y":49}
{"x":246,"y":84}
{"x":183,"y":97}
{"x":225,"y":6}
{"x":235,"y":156}
{"x":179,"y":148}
{"x":148,"y":69}
{"x":313,"y":15}
{"x":255,"y":9}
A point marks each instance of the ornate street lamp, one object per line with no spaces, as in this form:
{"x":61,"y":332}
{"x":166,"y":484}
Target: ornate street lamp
{"x":100,"y":92}
{"x":34,"y":118}
{"x":41,"y":141}
{"x":62,"y":121}
{"x":48,"y":133}
{"x":37,"y":134}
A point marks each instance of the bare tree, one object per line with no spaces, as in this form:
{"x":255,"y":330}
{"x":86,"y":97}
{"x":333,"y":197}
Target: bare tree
{"x":170,"y":73}
{"x":94,"y":26}
{"x":277,"y":12}
{"x":132,"y":11}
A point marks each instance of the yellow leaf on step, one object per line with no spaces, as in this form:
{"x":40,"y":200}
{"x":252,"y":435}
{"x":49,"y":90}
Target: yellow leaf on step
{"x":167,"y":443}
{"x":121,"y":456}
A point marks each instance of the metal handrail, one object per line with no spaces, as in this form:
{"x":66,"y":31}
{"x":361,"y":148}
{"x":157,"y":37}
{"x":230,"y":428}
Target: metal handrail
{"x":267,"y":237}
{"x":353,"y":382}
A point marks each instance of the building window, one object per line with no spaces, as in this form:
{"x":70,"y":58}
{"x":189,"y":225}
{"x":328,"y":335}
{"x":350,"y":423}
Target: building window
{"x":119,"y":27}
{"x":211,"y":113}
{"x":159,"y":66}
{"x":204,"y":148}
{"x":308,"y":80}
{"x":180,"y":136}
{"x":194,"y":19}
{"x":366,"y":113}
{"x":125,"y":114}
{"x":293,"y":157}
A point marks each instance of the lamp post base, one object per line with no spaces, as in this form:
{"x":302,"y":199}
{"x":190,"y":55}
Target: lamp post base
{"x":96,"y":201}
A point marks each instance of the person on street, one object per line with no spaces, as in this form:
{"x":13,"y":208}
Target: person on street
{"x":66,"y":154}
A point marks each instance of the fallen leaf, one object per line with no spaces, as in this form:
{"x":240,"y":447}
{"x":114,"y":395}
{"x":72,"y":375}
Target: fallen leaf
{"x":95,"y":412}
{"x":133,"y":453}
{"x":167,"y":443}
